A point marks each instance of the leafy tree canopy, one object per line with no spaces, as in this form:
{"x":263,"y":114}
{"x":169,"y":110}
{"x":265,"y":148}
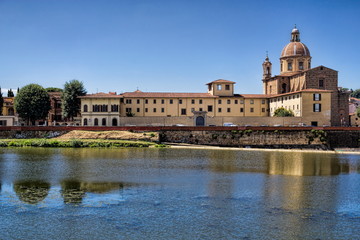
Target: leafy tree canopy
{"x":53,"y":89}
{"x":355,"y":93}
{"x":70,"y":101}
{"x":32,"y":102}
{"x":283,"y":112}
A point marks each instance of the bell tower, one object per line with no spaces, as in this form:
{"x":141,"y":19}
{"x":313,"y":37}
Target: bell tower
{"x":267,"y":67}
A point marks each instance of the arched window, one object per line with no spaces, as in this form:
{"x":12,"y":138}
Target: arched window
{"x":103,"y":122}
{"x":85,"y":108}
{"x":114,"y":122}
{"x":85,"y":122}
{"x":96,"y":122}
{"x":283,"y":88}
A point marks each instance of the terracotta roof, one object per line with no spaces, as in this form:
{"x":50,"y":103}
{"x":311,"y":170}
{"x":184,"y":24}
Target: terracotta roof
{"x":289,"y":74}
{"x":101,"y":95}
{"x":254,"y":95}
{"x":140,"y":94}
{"x":9,"y":100}
{"x":220,"y":81}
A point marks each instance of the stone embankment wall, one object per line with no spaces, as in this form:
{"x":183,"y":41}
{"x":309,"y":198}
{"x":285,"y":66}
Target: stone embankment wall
{"x":260,"y":137}
{"x":312,"y":139}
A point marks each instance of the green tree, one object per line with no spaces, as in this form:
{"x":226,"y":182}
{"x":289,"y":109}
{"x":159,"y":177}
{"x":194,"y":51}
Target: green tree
{"x":53,"y":89}
{"x":70,"y":98}
{"x":283,"y":112}
{"x":1,"y":102}
{"x":355,"y":93}
{"x":10,"y":93}
{"x":32,"y":103}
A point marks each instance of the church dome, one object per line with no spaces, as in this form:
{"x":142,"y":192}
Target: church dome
{"x":295,"y":47}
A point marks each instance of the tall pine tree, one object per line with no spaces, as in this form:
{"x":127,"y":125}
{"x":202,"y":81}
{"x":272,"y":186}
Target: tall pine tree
{"x":1,"y":102}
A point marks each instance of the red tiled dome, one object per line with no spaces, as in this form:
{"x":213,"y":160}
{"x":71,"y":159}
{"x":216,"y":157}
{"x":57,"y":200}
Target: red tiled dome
{"x":295,"y":49}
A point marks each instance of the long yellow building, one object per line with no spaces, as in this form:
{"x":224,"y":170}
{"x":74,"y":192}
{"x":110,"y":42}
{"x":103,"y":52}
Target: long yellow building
{"x":312,"y":94}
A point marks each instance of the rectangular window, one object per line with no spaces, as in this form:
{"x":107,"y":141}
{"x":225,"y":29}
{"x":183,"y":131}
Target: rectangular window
{"x":241,"y":109}
{"x":162,"y":110}
{"x":317,"y":107}
{"x":289,"y":66}
{"x":171,"y":101}
{"x":317,"y":96}
{"x":209,"y":108}
{"x":251,"y":109}
{"x":263,"y":101}
{"x":128,"y":101}
{"x":228,"y":109}
{"x":219,"y":87}
{"x":241,"y":101}
{"x":321,"y":83}
{"x":137,"y":101}
{"x":200,"y":109}
{"x":138,"y":110}
{"x":219,"y":101}
{"x":227,"y":87}
{"x":146,"y":109}
{"x":192,"y":101}
{"x":146,"y":101}
{"x":162,"y":101}
{"x":228,"y":101}
{"x":154,"y":110}
{"x":219,"y":110}
{"x":251,"y":101}
{"x":301,"y":66}
{"x":180,"y":101}
{"x":128,"y":110}
{"x":236,"y":101}
{"x":183,"y":111}
{"x":154,"y":101}
{"x":200,"y":101}
{"x":263,"y":110}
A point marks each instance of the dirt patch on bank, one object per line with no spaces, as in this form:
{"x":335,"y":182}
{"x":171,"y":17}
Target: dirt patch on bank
{"x":118,"y":135}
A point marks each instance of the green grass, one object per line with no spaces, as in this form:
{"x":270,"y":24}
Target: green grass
{"x":73,"y":143}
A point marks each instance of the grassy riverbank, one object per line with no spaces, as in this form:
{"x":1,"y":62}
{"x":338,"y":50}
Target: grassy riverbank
{"x":75,"y":143}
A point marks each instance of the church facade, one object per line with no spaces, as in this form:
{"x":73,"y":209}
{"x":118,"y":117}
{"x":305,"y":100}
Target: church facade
{"x":312,"y":94}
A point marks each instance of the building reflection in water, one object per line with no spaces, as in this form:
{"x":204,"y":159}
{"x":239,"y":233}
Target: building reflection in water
{"x":305,"y":164}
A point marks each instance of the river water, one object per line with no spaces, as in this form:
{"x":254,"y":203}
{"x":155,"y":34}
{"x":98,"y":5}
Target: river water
{"x":178,"y":194}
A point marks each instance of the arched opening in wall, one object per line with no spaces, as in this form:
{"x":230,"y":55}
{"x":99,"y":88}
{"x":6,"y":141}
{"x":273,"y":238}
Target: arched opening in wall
{"x":342,"y":116}
{"x":96,"y":122}
{"x":283,"y":88}
{"x":85,"y":122}
{"x":267,"y":70}
{"x":103,"y":122}
{"x":85,"y":108}
{"x":200,"y":121}
{"x":114,"y":122}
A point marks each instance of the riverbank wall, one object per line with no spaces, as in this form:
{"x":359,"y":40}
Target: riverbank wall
{"x":257,"y":137}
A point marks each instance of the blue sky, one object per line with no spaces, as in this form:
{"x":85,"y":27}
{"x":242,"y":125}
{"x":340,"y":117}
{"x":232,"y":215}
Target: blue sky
{"x":169,"y":45}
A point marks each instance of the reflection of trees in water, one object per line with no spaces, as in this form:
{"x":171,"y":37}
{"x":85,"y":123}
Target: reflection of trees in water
{"x":73,"y":191}
{"x":31,"y":192}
